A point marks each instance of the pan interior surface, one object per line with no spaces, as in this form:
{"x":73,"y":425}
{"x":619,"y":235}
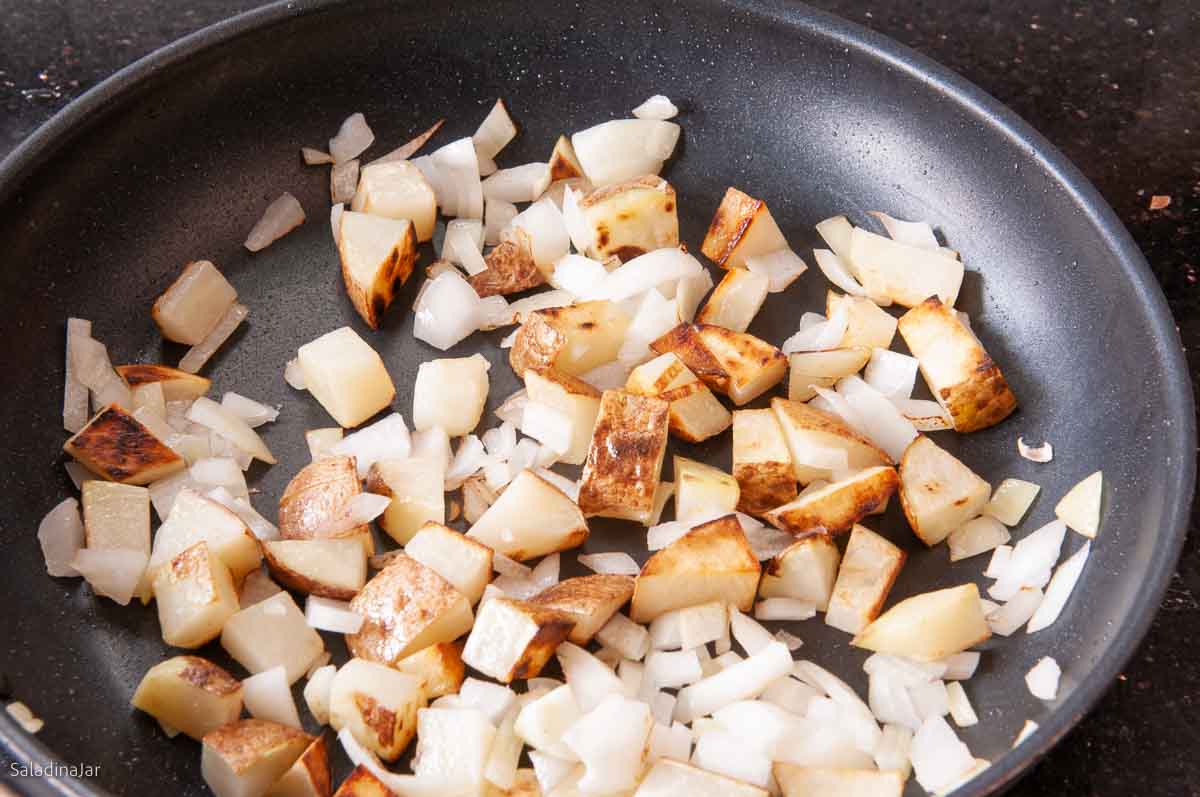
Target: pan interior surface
{"x":176,"y":160}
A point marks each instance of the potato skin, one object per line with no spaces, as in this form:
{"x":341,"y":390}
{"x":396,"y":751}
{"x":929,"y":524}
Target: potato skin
{"x":727,"y":361}
{"x":587,"y":597}
{"x":361,"y":783}
{"x":732,"y":218}
{"x":536,"y":346}
{"x":510,"y":269}
{"x":241,"y":743}
{"x":372,"y":301}
{"x":624,"y":462}
{"x":313,"y":496}
{"x":837,"y":512}
{"x":118,"y":447}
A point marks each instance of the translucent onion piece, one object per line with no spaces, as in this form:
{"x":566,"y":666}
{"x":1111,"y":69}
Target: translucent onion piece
{"x":1042,"y":454}
{"x":577,"y":226}
{"x":326,"y":614}
{"x":496,"y":130}
{"x":645,"y":272}
{"x":487,"y":166}
{"x":657,"y":107}
{"x":519,"y":184}
{"x":75,"y":393}
{"x":497,"y":215}
{"x":1016,"y":612}
{"x":343,"y":182}
{"x":1043,"y":679}
{"x":407,"y":150}
{"x":1011,"y":501}
{"x":315,"y":157}
{"x":254,"y":413}
{"x":468,"y":460}
{"x":61,"y":537}
{"x":458,"y":189}
{"x":262,"y":528}
{"x":577,"y":274}
{"x":335,"y":220}
{"x":352,"y":138}
{"x":616,"y":563}
{"x":229,"y":425}
{"x":976,"y":536}
{"x":200,"y":354}
{"x":913,"y":233}
{"x":938,"y":757}
{"x":654,"y":318}
{"x":293,"y":374}
{"x":891,"y":373}
{"x":501,"y":440}
{"x":835,"y":270}
{"x":624,"y":149}
{"x":1062,"y":584}
{"x":568,"y":487}
{"x":358,"y":510}
{"x":281,"y":217}
{"x":387,"y":438}
{"x":494,"y":311}
{"x":817,"y":333}
{"x":1028,"y":729}
{"x":781,"y":268}
{"x":114,"y":573}
{"x":881,"y":421}
{"x":837,"y":233}
{"x":446,"y":312}
{"x":1031,"y":561}
{"x":461,"y":246}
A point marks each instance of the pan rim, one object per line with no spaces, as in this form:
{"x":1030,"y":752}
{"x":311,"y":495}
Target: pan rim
{"x":109,"y":95}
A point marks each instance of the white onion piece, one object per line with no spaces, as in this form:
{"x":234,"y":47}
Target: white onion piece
{"x":835,"y":270}
{"x":834,"y":403}
{"x":624,"y":149}
{"x":335,"y":220}
{"x":817,"y":333}
{"x":568,"y":487}
{"x":654,"y":318}
{"x":446,"y":312}
{"x":976,"y":536}
{"x":577,"y":225}
{"x":1042,"y":454}
{"x":61,"y":536}
{"x":1062,"y":584}
{"x":326,"y":614}
{"x":468,"y":459}
{"x":549,"y":770}
{"x":461,"y":246}
{"x":938,"y":757}
{"x":615,"y":563}
{"x":913,"y":233}
{"x":1031,"y":561}
{"x":510,"y":567}
{"x":784,"y":609}
{"x":343,"y":182}
{"x":925,"y":415}
{"x":358,"y":510}
{"x":1011,"y":500}
{"x":749,"y":634}
{"x":881,"y":421}
{"x":113,"y":573}
{"x":268,"y":696}
{"x":77,"y":473}
{"x":766,"y":541}
{"x":891,"y":373}
{"x":262,"y":528}
{"x":409,"y":148}
{"x":838,"y":690}
{"x":999,"y":561}
{"x":610,"y":376}
{"x":315,"y":157}
{"x":200,"y":354}
{"x":538,"y":301}
{"x":513,"y":407}
{"x":163,"y":491}
{"x":741,"y":681}
{"x":497,"y":215}
{"x":293,"y":374}
{"x":548,"y":426}
{"x":837,"y":233}
{"x":1016,"y":612}
{"x":387,"y":438}
{"x":501,"y":440}
{"x":254,"y":413}
{"x":645,"y":272}
{"x":662,"y":535}
{"x":495,"y":131}
{"x":459,"y":191}
{"x":577,"y":274}
{"x":281,"y":217}
{"x":657,"y":107}
{"x":1028,"y":729}
{"x":903,"y":669}
{"x":487,"y":166}
{"x":229,"y":425}
{"x":212,"y":472}
{"x":352,"y":138}
{"x":494,"y":312}
{"x":1043,"y":678}
{"x":781,"y":268}
{"x":670,"y":670}
{"x":548,"y":239}
{"x":75,"y":393}
{"x":523,"y":183}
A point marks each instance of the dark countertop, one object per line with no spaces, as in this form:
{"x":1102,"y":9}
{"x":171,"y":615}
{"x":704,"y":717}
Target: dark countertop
{"x":1115,"y":85}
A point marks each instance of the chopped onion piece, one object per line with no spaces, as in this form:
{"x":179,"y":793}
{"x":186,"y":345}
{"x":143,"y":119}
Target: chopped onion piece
{"x":577,"y":225}
{"x":1016,"y":612}
{"x":77,"y":473}
{"x":262,"y":528}
{"x":749,"y":634}
{"x":510,"y":567}
{"x":343,"y":183}
{"x":468,"y":460}
{"x":925,"y":415}
{"x":960,"y":706}
{"x":497,"y":216}
{"x":624,"y":149}
{"x":742,"y":681}
{"x":610,"y":376}
{"x":1080,"y":507}
{"x":781,"y":268}
{"x":358,"y":510}
{"x":268,"y":696}
{"x":657,"y":107}
{"x":615,"y":563}
{"x":281,"y":217}
{"x":61,"y":537}
{"x":548,"y":426}
{"x":1011,"y":501}
{"x":891,"y":373}
{"x":1028,"y":729}
{"x":293,"y":374}
{"x":25,"y":717}
{"x":836,"y":271}
{"x":881,"y":422}
{"x":654,"y":318}
{"x":254,"y":413}
{"x":792,"y":641}
{"x":519,"y":184}
{"x":913,"y":233}
{"x":670,"y":669}
{"x":335,"y":220}
{"x":999,"y":561}
{"x":315,"y":157}
{"x":229,"y":425}
{"x":1031,"y":561}
{"x":784,"y":609}
{"x":75,"y":393}
{"x":407,"y":150}
{"x":549,"y":770}
{"x":577,"y":274}
{"x":1062,"y":584}
{"x":568,"y":487}
{"x":326,"y":614}
{"x":495,"y":132}
{"x":487,"y":166}
{"x":1043,"y":453}
{"x":494,"y":312}
{"x":513,"y":407}
{"x":462,"y":243}
{"x":626,"y":636}
{"x":112,"y":572}
{"x":212,"y":472}
{"x":446,"y":312}
{"x":1043,"y":679}
{"x":766,"y":541}
{"x":977,"y":536}
{"x":961,"y":666}
{"x":200,"y":354}
{"x":938,"y":757}
{"x":353,"y":137}
{"x":837,"y":232}
{"x":387,"y":438}
{"x":458,"y":189}
{"x":645,"y":272}
{"x":817,"y":333}
{"x":501,"y":440}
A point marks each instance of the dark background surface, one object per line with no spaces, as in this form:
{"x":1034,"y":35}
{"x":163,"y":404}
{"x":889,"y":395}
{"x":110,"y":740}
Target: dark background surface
{"x":1115,"y":85}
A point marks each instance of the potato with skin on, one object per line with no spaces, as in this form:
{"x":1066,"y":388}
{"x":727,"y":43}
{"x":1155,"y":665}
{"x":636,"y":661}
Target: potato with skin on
{"x":514,"y":639}
{"x":590,"y":600}
{"x":735,"y":301}
{"x":573,"y":397}
{"x":406,"y":607}
{"x":929,"y":626}
{"x":462,"y":561}
{"x":190,"y":694}
{"x":736,"y":364}
{"x":762,"y":464}
{"x":450,"y":393}
{"x":806,"y":570}
{"x":363,"y":783}
{"x":806,"y":428}
{"x":313,"y":498}
{"x":868,"y":325}
{"x":573,"y":339}
{"x":696,"y":414}
{"x":809,"y":369}
{"x":741,"y":228}
{"x":624,"y":461}
{"x":836,"y":507}
{"x":670,"y":778}
{"x":378,"y":704}
{"x":702,"y":491}
{"x":272,"y":633}
{"x":309,"y":776}
{"x":189,"y":309}
{"x":346,"y":376}
{"x":531,"y":518}
{"x":510,"y":268}
{"x":798,"y":781}
{"x":176,"y":385}
{"x":195,"y":597}
{"x":378,"y":255}
{"x":960,"y":373}
{"x":631,"y":218}
{"x":329,"y":568}
{"x":245,"y":758}
{"x":397,"y":190}
{"x":440,"y":668}
{"x":117,"y":447}
{"x":417,"y":489}
{"x":712,"y":562}
{"x":869,"y":568}
{"x":938,"y":492}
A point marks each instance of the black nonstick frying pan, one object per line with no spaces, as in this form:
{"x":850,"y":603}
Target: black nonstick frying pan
{"x":174,"y":158}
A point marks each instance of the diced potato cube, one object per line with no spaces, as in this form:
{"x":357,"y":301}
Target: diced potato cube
{"x":190,"y":694}
{"x":741,"y":228}
{"x":189,"y":309}
{"x":452,"y":748}
{"x":510,"y":267}
{"x":696,"y":414}
{"x":798,"y":781}
{"x":176,"y":385}
{"x":531,"y":518}
{"x":116,"y":446}
{"x":329,"y":568}
{"x":194,"y":518}
{"x":624,"y":462}
{"x":573,"y":397}
{"x":462,"y":561}
{"x":868,"y":571}
{"x":938,"y":492}
{"x":702,"y":491}
{"x":244,"y":758}
{"x":836,"y":507}
{"x":631,"y":218}
{"x":320,"y":441}
{"x":868,"y":325}
{"x":563,"y":163}
{"x":378,"y":704}
{"x":734,"y":363}
{"x":806,"y":429}
{"x":315,"y":495}
{"x":590,"y":600}
{"x":514,"y":639}
{"x":908,"y":275}
{"x":397,"y":190}
{"x":361,"y":782}
{"x":309,"y":776}
{"x":195,"y":597}
{"x":116,"y":516}
{"x":670,"y":778}
{"x":440,"y":668}
{"x":811,"y":369}
{"x":737,"y":299}
{"x":346,"y":376}
{"x":272,"y":633}
{"x":417,"y":489}
{"x":450,"y":393}
{"x":762,"y":464}
{"x":378,"y":255}
{"x":572,"y":340}
{"x":929,"y":626}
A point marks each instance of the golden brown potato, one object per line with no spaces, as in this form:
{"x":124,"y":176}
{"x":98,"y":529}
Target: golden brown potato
{"x":712,"y":562}
{"x":314,"y":497}
{"x":440,"y":668}
{"x":177,"y":385}
{"x":929,"y":626}
{"x":806,"y":429}
{"x":624,"y":463}
{"x":406,"y":607}
{"x":190,"y":694}
{"x":361,"y":783}
{"x":246,"y":757}
{"x":960,"y":374}
{"x":116,"y":446}
{"x":573,"y":339}
{"x":867,"y":324}
{"x":810,"y":369}
{"x":742,"y":227}
{"x":631,"y":218}
{"x":378,"y":704}
{"x":573,"y":397}
{"x":563,"y":163}
{"x":734,"y":363}
{"x":761,"y":462}
{"x":836,"y":507}
{"x":696,"y":414}
{"x":309,"y":776}
{"x":378,"y":255}
{"x":869,"y":568}
{"x":591,"y":600}
{"x":332,"y":568}
{"x":735,"y":301}
{"x":510,"y":268}
{"x":195,"y":596}
{"x":938,"y":492}
{"x":514,"y":639}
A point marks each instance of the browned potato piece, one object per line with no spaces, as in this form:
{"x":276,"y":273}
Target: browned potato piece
{"x":631,"y":218}
{"x":309,"y":776}
{"x":510,"y":268}
{"x":563,"y":163}
{"x":836,"y":507}
{"x":378,"y":255}
{"x":573,"y":339}
{"x":742,"y":227}
{"x":314,"y":496}
{"x":195,"y":596}
{"x":244,"y":758}
{"x":929,"y":626}
{"x":867,"y":324}
{"x":190,"y":694}
{"x":734,"y":363}
{"x":514,"y":639}
{"x":440,"y":668}
{"x":176,"y":385}
{"x":798,"y":781}
{"x":938,"y":492}
{"x":712,"y":562}
{"x":735,"y":301}
{"x":591,"y":600}
{"x":961,"y":375}
{"x":378,"y":704}
{"x":696,"y":414}
{"x":332,"y":568}
{"x":406,"y":607}
{"x":194,"y":303}
{"x":116,"y":446}
{"x":526,"y":785}
{"x":361,"y":783}
{"x":578,"y":400}
{"x":869,"y":568}
{"x":761,"y":462}
{"x":624,"y":463}
{"x":806,"y":428}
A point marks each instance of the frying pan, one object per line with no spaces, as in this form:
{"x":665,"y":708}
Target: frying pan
{"x":174,"y":158}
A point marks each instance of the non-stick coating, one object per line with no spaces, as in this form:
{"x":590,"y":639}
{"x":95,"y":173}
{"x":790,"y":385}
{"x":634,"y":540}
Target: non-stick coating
{"x":175,"y":158}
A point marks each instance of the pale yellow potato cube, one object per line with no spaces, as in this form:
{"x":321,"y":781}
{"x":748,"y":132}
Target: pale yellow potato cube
{"x":346,"y":376}
{"x":195,"y":597}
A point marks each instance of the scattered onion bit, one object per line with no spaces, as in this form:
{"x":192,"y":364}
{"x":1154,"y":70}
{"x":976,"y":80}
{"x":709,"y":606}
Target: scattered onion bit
{"x":1043,"y":453}
{"x":281,"y":217}
{"x":24,"y":716}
